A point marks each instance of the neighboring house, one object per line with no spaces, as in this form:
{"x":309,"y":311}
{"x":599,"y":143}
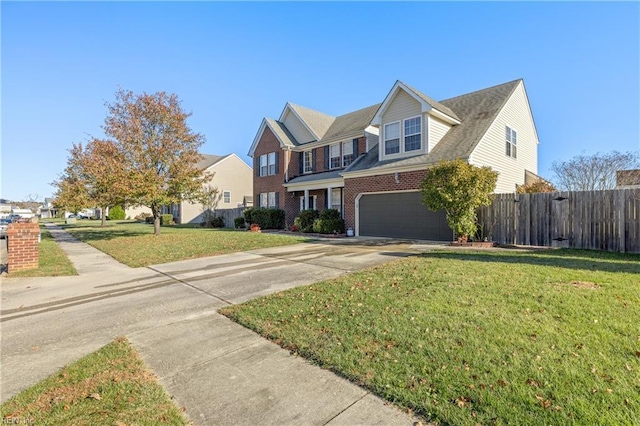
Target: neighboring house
{"x":22,"y":213}
{"x":369,"y":163}
{"x":628,"y":179}
{"x":48,"y":211}
{"x":231,"y":176}
{"x":5,"y":210}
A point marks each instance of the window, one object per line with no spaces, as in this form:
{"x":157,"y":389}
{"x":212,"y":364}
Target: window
{"x":272,"y":163}
{"x":336,"y":199}
{"x":412,"y":134}
{"x":308,"y":161}
{"x":334,"y":156}
{"x":263,"y":165}
{"x":392,"y":138}
{"x":226,"y":197}
{"x":347,"y":153}
{"x":272,"y":199}
{"x":512,"y":141}
{"x":263,"y":200}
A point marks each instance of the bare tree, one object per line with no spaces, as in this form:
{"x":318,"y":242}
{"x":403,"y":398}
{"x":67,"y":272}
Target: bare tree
{"x":593,"y":172}
{"x":210,"y":198}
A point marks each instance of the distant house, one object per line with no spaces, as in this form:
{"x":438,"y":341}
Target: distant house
{"x":5,"y":210}
{"x":231,"y":176}
{"x":628,"y":178}
{"x":369,"y":163}
{"x":47,"y":211}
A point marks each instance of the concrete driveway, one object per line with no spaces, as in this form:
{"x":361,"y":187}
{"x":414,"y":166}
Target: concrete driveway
{"x":219,"y":371}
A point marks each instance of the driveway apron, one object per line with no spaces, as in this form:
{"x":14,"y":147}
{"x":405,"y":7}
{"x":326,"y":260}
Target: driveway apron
{"x":219,"y":371}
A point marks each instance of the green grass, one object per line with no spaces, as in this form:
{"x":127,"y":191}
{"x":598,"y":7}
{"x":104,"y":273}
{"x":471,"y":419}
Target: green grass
{"x":135,"y":245}
{"x":465,"y":338}
{"x":52,"y":260}
{"x":110,"y":387}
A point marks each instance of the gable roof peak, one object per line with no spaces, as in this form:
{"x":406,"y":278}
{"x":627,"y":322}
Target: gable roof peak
{"x":315,"y":121}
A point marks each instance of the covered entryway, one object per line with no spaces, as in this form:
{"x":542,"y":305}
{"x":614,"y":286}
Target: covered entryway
{"x":400,"y":215}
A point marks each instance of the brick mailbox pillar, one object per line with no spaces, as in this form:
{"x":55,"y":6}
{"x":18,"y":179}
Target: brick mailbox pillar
{"x":22,"y":247}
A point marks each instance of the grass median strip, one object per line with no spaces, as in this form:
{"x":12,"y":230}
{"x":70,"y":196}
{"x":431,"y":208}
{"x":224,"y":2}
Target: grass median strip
{"x":52,"y":260}
{"x":110,"y":386}
{"x":465,"y":338}
{"x":135,"y":245}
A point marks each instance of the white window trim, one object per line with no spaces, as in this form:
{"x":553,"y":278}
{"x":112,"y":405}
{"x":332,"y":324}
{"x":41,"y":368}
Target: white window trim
{"x":224,"y":201}
{"x":266,"y":165}
{"x":271,"y":196}
{"x":384,"y":137}
{"x":339,"y":156}
{"x":382,"y":140}
{"x":264,"y":200}
{"x":512,"y":145}
{"x":304,"y":161}
{"x":402,"y":148}
{"x":342,"y":144}
{"x":269,"y":163}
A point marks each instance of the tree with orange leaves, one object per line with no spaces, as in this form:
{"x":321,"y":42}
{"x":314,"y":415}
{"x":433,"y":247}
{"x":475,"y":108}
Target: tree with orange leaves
{"x":159,"y":152}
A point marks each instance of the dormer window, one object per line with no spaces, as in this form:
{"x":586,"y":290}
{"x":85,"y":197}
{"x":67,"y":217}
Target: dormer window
{"x":409,"y":131}
{"x":412,"y":134}
{"x":392,"y":138}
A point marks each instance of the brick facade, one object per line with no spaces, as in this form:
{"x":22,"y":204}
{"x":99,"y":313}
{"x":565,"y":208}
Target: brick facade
{"x":22,"y":246}
{"x":378,"y":183}
{"x":288,"y":161}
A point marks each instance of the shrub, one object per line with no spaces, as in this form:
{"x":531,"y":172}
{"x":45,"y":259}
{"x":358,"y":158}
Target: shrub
{"x":329,"y":222}
{"x":304,"y":221}
{"x":265,"y":218}
{"x":116,"y":213}
{"x":166,"y":219}
{"x":238,"y":222}
{"x":214,"y":222}
{"x":148,"y":219}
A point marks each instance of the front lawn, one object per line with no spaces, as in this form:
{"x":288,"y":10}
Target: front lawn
{"x":52,"y":260}
{"x":109,"y":387}
{"x":135,"y":245}
{"x":465,"y":338}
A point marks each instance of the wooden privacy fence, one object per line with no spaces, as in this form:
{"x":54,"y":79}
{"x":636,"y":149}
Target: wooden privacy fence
{"x":229,"y":215}
{"x":600,"y":220}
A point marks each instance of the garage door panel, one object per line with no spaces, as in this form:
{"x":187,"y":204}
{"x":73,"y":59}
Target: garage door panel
{"x":401,"y":215}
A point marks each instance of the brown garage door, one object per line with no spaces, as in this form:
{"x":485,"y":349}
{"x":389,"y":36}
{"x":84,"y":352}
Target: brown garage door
{"x":401,"y":215}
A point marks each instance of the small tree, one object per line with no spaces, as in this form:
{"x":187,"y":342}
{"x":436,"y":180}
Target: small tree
{"x":209,"y":199}
{"x":160,"y":152}
{"x":459,"y":188}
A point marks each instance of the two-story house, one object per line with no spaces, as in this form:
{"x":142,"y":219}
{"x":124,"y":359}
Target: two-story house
{"x":369,"y":163}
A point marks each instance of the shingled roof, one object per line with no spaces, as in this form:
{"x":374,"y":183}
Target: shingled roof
{"x":317,"y":121}
{"x":476,"y":111}
{"x":209,"y":160}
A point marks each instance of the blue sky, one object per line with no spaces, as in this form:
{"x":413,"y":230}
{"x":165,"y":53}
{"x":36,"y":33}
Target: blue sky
{"x":231,"y":64}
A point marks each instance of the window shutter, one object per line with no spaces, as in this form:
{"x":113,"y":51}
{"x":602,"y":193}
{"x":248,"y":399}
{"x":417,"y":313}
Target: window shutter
{"x":313,"y":159}
{"x":277,"y":206}
{"x":355,"y":149}
{"x":277,"y":162}
{"x":326,"y":157}
{"x":301,"y":162}
{"x":256,"y":165}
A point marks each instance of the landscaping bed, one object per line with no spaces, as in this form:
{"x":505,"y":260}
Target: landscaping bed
{"x":476,"y":337}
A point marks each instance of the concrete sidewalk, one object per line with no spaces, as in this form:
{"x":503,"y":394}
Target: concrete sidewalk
{"x":219,"y":371}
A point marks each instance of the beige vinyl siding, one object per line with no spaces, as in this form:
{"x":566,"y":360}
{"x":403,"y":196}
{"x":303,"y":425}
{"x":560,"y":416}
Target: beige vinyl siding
{"x":437,"y":130}
{"x":231,"y":174}
{"x":402,"y":106}
{"x":491,"y":149}
{"x":297,"y":129}
{"x":372,"y":140}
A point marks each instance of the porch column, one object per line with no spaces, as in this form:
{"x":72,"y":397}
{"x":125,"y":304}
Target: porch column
{"x":329,"y":197}
{"x":306,"y":199}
